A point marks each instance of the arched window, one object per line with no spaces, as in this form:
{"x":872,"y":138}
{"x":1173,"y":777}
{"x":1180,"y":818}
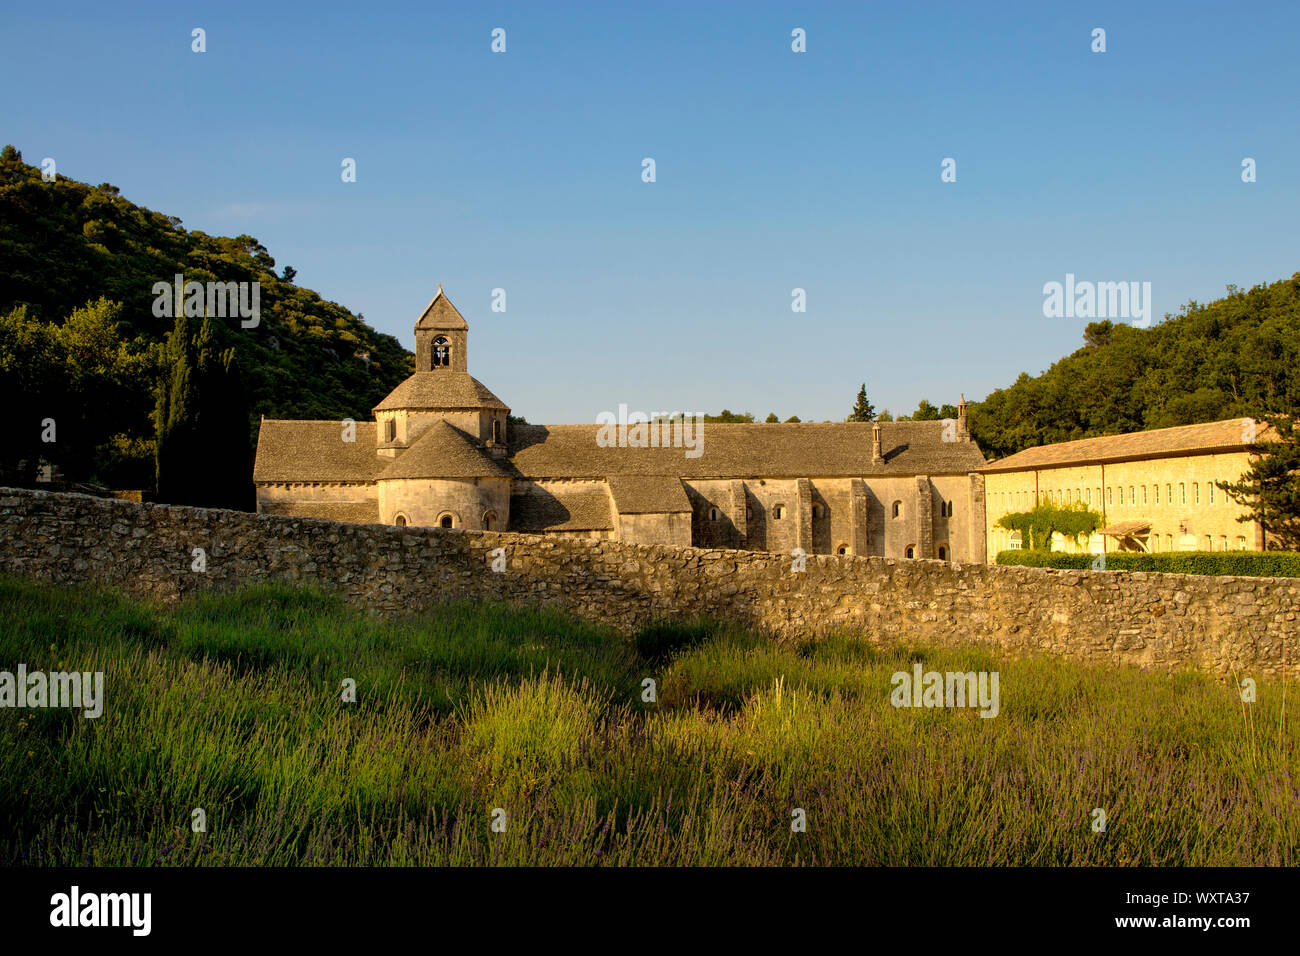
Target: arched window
{"x":1210,"y":485}
{"x":489,"y":520}
{"x":842,"y":549}
{"x":749,"y":513}
{"x":1110,"y":496}
{"x":778,"y":512}
{"x":911,"y":551}
{"x":898,"y":509}
{"x":400,"y":520}
{"x":441,"y":352}
{"x":1182,"y":490}
{"x":713,"y":514}
{"x":447,"y":520}
{"x":1196,"y":492}
{"x":1156,"y":488}
{"x":943,"y":552}
{"x":1132,"y":495}
{"x":819,"y":510}
{"x":496,"y":430}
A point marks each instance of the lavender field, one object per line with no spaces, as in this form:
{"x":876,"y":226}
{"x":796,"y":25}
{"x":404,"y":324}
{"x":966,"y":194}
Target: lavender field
{"x":490,"y":735}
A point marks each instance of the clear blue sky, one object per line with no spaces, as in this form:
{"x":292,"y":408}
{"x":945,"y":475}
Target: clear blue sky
{"x":775,"y":170}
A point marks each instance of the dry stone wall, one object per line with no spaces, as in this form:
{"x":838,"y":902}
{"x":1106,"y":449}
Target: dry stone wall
{"x":1223,"y":624}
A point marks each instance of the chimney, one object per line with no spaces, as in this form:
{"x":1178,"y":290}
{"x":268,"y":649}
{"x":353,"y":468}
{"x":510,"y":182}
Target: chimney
{"x":963,"y":427}
{"x":876,"y":457}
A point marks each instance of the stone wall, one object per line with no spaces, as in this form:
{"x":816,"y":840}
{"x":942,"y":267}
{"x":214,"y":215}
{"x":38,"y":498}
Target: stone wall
{"x":1247,"y":625}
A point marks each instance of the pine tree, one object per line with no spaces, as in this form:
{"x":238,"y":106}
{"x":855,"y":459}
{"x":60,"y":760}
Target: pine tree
{"x":863,"y":410}
{"x":1270,"y":488}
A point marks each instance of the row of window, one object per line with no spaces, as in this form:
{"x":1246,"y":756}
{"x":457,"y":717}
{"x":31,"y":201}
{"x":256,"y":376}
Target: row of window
{"x":1025,"y":499}
{"x":819,"y":511}
{"x":449,"y":519}
{"x":1207,"y":542}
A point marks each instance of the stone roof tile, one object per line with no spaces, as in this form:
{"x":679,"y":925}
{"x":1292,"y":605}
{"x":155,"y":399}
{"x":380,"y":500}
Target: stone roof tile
{"x":441,"y":388}
{"x":635,"y":494}
{"x":315,"y":451}
{"x":441,"y":314}
{"x":444,"y":451}
{"x":770,"y":450}
{"x":1226,"y":435}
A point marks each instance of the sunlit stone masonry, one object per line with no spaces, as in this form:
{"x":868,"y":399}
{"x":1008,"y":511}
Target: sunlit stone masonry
{"x":1245,"y":626}
{"x":441,"y":453}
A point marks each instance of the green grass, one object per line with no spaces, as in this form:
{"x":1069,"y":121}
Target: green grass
{"x":232,"y":704}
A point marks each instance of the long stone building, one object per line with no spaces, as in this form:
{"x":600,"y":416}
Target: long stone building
{"x":441,"y":452}
{"x":1156,"y":489}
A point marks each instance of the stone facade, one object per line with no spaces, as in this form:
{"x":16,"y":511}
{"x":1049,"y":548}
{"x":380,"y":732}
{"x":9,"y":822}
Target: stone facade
{"x":1246,"y":626}
{"x":1160,"y":484}
{"x":439,"y":453}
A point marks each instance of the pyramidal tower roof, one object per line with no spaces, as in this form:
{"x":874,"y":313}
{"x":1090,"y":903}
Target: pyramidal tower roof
{"x":441,"y":314}
{"x":444,"y":451}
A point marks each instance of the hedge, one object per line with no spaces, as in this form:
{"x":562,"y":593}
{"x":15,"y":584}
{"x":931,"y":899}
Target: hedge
{"x":1261,"y":564}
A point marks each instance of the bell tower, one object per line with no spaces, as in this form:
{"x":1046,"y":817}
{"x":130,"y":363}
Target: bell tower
{"x":441,"y":337}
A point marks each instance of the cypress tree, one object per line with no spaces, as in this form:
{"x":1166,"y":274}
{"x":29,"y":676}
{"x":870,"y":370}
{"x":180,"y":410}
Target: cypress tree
{"x":202,"y":422}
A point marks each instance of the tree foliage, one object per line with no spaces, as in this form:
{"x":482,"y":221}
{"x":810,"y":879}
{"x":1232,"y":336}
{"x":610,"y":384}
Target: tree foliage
{"x":201,"y":415}
{"x":1269,"y":491}
{"x":727,"y":416}
{"x":1037,"y":526}
{"x":1236,"y":357}
{"x":81,"y":383}
{"x":863,"y":410}
{"x":79,"y":342}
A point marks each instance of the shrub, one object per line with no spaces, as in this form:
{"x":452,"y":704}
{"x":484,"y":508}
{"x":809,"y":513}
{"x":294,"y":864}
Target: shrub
{"x":1264,"y":564}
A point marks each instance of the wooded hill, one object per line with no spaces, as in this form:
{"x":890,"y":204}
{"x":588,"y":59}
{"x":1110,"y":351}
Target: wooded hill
{"x":1236,"y":356}
{"x":64,"y":245}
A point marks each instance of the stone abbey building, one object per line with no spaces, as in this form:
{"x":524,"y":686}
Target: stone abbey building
{"x":440,"y":452}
